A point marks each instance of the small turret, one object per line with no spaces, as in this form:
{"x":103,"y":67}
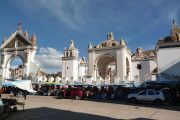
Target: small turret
{"x":122,"y":42}
{"x":83,"y":60}
{"x":175,"y":28}
{"x":33,"y":39}
{"x":26,"y":34}
{"x":4,"y":40}
{"x":174,"y":22}
{"x":90,"y":46}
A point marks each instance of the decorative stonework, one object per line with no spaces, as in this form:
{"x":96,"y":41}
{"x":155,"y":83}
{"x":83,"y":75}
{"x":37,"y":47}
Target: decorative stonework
{"x":110,"y":42}
{"x":18,"y":44}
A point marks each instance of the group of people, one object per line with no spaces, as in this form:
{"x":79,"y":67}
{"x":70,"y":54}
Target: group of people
{"x":90,"y":92}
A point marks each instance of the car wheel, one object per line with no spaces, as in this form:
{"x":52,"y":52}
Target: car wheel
{"x":158,"y":101}
{"x":133,"y":100}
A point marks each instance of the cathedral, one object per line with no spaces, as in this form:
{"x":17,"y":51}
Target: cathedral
{"x":109,"y":62}
{"x":112,"y":62}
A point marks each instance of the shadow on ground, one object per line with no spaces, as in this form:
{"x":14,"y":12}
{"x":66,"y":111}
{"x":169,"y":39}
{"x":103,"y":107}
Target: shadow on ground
{"x":165,"y":106}
{"x":45,"y":113}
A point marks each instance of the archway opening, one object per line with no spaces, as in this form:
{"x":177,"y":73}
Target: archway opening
{"x":106,"y":67}
{"x":15,"y":68}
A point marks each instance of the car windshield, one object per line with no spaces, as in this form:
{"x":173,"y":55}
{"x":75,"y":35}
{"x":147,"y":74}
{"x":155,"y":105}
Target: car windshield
{"x":142,"y":92}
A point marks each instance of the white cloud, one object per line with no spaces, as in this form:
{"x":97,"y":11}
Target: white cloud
{"x":67,"y":11}
{"x":49,"y":59}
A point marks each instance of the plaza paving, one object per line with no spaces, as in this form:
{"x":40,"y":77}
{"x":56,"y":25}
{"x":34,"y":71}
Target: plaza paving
{"x":50,"y":108}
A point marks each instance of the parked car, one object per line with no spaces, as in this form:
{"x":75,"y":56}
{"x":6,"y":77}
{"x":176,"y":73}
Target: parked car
{"x":149,"y":95}
{"x":3,"y":110}
{"x":1,"y":107}
{"x":74,"y":93}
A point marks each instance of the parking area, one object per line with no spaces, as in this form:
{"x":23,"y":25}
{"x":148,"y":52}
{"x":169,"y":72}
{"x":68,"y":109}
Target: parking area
{"x":51,"y":108}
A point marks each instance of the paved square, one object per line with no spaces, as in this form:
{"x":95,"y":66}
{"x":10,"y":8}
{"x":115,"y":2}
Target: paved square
{"x":50,"y":108}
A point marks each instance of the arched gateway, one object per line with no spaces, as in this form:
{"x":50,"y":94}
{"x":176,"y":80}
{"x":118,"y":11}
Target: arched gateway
{"x":18,"y":45}
{"x":109,"y":61}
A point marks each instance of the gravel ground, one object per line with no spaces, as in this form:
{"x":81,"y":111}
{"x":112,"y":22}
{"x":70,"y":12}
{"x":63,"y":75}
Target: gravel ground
{"x":50,"y":108}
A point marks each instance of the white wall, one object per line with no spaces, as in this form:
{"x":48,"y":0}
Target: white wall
{"x":70,"y":69}
{"x":147,"y":66}
{"x":82,"y":70}
{"x":168,"y":63}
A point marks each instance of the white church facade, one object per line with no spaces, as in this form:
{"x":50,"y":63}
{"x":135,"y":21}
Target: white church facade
{"x":18,"y":45}
{"x":109,"y":62}
{"x":112,"y":62}
{"x":168,"y":55}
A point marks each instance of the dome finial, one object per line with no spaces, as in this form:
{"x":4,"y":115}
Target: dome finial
{"x":110,"y":36}
{"x":71,"y":45}
{"x":19,"y":26}
{"x":174,"y":22}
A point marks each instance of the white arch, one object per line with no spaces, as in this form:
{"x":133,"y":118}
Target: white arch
{"x":58,"y":79}
{"x":51,"y":79}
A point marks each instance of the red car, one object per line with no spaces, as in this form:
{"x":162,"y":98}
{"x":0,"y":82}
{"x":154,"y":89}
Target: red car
{"x":74,"y":92}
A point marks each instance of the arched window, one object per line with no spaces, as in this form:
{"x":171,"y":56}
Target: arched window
{"x":16,"y":44}
{"x":67,"y":54}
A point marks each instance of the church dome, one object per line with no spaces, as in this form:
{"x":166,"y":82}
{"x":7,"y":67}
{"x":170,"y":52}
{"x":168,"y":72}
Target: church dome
{"x":110,"y":42}
{"x":171,"y":38}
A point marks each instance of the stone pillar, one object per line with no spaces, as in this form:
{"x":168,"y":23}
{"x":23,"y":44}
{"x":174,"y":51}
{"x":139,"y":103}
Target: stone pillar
{"x":27,"y":65}
{"x":107,"y":80}
{"x":3,"y":65}
{"x":116,"y":80}
{"x":26,"y":72}
{"x":91,"y":63}
{"x":98,"y":80}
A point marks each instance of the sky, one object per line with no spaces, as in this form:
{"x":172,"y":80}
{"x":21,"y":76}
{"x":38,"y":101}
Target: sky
{"x":141,"y":23}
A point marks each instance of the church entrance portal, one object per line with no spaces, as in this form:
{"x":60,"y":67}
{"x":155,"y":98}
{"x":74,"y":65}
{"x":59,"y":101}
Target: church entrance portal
{"x":15,"y":65}
{"x":106,"y":67}
{"x":19,"y":45}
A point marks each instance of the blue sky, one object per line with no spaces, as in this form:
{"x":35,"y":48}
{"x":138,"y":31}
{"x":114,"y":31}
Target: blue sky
{"x":139,"y":22}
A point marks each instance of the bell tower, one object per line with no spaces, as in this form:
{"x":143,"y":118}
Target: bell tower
{"x":70,"y":64}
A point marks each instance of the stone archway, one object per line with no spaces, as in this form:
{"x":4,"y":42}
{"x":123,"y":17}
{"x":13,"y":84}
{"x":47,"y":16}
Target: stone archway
{"x":18,"y":44}
{"x":106,"y":66}
{"x":16,"y":70}
{"x":109,"y":52}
